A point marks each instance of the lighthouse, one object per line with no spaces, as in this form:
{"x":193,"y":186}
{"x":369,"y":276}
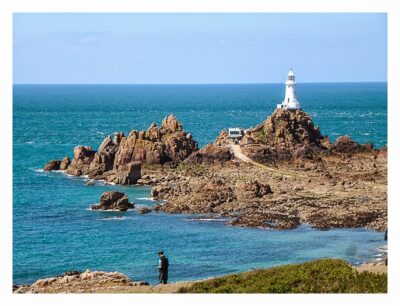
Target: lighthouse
{"x":290,"y":101}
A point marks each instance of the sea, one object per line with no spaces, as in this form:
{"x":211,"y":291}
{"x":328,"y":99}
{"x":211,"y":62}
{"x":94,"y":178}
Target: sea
{"x":54,"y":231}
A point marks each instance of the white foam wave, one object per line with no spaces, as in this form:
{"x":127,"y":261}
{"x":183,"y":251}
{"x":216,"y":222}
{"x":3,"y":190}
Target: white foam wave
{"x":108,"y":210}
{"x":38,"y":170}
{"x":146,"y":199}
{"x":208,"y":219}
{"x":115,"y":218}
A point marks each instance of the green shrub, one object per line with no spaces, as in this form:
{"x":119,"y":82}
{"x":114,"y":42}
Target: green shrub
{"x":319,"y":276}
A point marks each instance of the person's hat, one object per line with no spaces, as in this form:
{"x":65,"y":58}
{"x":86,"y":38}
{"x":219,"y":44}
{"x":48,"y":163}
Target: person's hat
{"x":160,"y":252}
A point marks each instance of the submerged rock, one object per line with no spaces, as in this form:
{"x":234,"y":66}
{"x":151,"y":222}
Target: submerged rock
{"x":144,"y":210}
{"x":113,"y":200}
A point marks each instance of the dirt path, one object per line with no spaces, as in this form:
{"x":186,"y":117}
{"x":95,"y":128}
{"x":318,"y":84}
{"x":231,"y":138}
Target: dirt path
{"x":169,"y":288}
{"x":237,"y":152}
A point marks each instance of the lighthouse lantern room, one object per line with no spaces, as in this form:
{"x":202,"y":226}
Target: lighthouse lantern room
{"x":290,"y":101}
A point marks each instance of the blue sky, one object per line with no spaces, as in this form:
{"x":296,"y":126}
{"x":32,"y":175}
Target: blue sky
{"x":198,"y":48}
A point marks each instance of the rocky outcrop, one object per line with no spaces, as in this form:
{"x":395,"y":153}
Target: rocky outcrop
{"x":113,"y":200}
{"x":80,"y":282}
{"x":119,"y":159}
{"x":336,"y":191}
{"x":157,"y":145}
{"x":284,"y":135}
{"x":125,"y":174}
{"x":83,"y":156}
{"x":208,"y":195}
{"x":344,"y":144}
{"x":52,"y":165}
{"x":65,"y":163}
{"x":218,"y":151}
{"x":266,"y":220}
{"x":251,"y":189}
{"x":103,"y":160}
{"x":144,"y":210}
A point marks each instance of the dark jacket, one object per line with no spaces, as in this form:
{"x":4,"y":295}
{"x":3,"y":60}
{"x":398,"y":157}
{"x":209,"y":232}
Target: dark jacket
{"x":163,"y":266}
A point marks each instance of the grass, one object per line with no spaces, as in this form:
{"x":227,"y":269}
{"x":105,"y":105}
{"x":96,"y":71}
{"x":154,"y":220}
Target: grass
{"x":262,"y":136}
{"x":319,"y":276}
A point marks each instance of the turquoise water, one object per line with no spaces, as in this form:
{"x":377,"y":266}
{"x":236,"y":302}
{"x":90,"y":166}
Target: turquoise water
{"x":54,"y":231}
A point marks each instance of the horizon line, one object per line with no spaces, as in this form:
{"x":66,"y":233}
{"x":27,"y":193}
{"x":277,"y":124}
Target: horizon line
{"x":233,"y":83}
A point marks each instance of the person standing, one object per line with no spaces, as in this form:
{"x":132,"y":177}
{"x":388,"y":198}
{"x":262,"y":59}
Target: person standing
{"x":162,"y":268}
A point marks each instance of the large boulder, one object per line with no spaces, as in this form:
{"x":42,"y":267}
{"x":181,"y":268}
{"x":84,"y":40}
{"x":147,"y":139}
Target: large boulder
{"x":104,"y":158}
{"x":52,"y":165}
{"x":126,"y":174}
{"x":65,"y":163}
{"x":113,"y":200}
{"x":83,"y":156}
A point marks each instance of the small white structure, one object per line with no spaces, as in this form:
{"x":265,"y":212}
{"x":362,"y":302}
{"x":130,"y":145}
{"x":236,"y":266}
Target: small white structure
{"x":290,"y":101}
{"x":235,"y":133}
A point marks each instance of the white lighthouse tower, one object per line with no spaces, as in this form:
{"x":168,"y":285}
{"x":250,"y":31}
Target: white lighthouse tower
{"x":290,"y":101}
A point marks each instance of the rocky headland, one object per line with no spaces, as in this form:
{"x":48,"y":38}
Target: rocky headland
{"x":283,"y":173}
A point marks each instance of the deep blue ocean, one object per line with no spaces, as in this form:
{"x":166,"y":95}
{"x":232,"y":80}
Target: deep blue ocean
{"x":53,"y":230}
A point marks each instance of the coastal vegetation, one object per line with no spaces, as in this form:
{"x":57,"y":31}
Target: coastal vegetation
{"x":319,"y":276}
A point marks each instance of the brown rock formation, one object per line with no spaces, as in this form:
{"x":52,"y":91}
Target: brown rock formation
{"x":65,"y":163}
{"x":284,"y":135}
{"x":157,"y":145}
{"x":251,"y":189}
{"x":144,"y":210}
{"x":80,"y":282}
{"x":119,"y":160}
{"x":218,"y":151}
{"x":344,"y":144}
{"x":52,"y":165}
{"x":83,"y":156}
{"x":113,"y":200}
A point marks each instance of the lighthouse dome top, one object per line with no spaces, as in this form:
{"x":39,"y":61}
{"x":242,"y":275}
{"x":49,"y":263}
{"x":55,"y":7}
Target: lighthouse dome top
{"x":291,"y":72}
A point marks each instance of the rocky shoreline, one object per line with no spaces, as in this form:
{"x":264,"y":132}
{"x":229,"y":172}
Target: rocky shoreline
{"x":80,"y":282}
{"x":283,"y":173}
{"x":116,"y":282}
